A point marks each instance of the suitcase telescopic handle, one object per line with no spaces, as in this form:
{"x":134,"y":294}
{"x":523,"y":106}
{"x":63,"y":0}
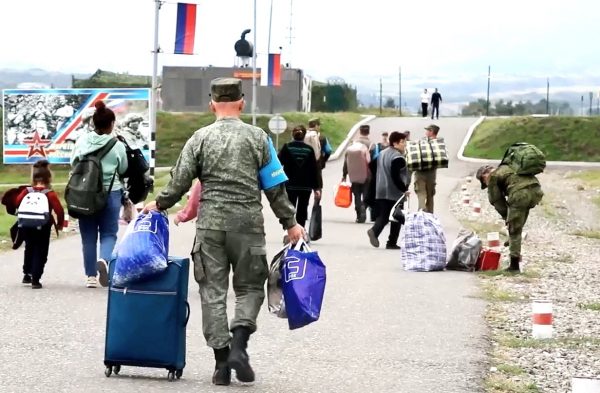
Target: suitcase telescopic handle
{"x":189,"y":311}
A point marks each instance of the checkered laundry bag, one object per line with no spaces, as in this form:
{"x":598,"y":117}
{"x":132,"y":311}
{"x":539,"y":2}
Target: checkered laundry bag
{"x":426,"y":154}
{"x":422,"y":242}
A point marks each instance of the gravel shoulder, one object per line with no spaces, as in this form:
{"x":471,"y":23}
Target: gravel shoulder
{"x":561,"y":262}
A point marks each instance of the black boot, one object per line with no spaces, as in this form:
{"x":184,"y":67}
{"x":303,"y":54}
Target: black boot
{"x":514,"y":265}
{"x":238,"y":357}
{"x":222,"y":374}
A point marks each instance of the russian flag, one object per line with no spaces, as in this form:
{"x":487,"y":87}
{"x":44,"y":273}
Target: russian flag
{"x":186,"y":29}
{"x":274,"y":76}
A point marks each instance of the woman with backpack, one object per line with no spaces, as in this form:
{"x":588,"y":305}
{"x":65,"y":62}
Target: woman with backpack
{"x":301,"y":167}
{"x":35,"y":220}
{"x":105,"y":222}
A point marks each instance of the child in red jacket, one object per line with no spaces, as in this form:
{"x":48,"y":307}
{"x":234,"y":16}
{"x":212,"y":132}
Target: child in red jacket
{"x":37,"y":238}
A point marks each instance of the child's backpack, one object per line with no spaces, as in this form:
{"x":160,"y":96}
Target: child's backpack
{"x":85,"y":193}
{"x":357,"y":161}
{"x":524,"y":159}
{"x":34,"y":209}
{"x":138,"y":183}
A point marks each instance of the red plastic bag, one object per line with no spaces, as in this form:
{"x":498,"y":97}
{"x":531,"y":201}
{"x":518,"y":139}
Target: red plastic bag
{"x":343,"y":195}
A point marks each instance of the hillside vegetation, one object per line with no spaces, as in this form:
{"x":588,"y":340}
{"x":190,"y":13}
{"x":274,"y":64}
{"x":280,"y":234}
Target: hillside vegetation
{"x":560,"y":138}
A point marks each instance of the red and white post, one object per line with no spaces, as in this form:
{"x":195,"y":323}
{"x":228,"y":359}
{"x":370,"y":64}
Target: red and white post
{"x":542,"y":319}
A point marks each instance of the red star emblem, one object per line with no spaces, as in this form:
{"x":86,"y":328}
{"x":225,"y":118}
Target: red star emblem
{"x":37,"y":145}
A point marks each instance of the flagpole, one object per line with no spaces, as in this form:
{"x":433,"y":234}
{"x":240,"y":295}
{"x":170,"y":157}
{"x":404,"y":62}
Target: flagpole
{"x":154,"y":95}
{"x":269,"y":52}
{"x":254,"y":71}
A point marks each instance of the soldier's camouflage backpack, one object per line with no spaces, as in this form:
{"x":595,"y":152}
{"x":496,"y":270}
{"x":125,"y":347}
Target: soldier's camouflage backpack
{"x":524,"y":159}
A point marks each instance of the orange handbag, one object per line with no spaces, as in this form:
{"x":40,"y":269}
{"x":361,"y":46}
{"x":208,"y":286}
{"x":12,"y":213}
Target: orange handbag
{"x":343,"y":195}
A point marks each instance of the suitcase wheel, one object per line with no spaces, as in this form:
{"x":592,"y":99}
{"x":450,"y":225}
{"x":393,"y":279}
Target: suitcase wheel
{"x":178,"y":373}
{"x":171,"y":376}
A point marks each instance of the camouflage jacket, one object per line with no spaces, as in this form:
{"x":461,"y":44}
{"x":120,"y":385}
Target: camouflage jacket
{"x":505,"y":183}
{"x":226,"y":156}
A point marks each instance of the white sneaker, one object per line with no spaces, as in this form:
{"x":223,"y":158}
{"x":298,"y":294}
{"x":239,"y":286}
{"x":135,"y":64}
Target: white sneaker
{"x":91,"y":282}
{"x":102,"y":267}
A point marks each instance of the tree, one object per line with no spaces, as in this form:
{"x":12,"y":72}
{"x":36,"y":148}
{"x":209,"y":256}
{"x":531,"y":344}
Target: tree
{"x":389,"y":103}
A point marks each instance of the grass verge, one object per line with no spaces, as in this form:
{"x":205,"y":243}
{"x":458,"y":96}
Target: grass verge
{"x":560,"y":138}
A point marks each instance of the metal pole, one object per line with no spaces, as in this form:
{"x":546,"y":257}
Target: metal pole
{"x":269,"y":52}
{"x":254,"y":71}
{"x":582,"y":106}
{"x":270,"y":24}
{"x":548,"y":96}
{"x":591,"y":98}
{"x":154,"y":95}
{"x":400,"y":91}
{"x":487,"y":102}
{"x":380,"y":96}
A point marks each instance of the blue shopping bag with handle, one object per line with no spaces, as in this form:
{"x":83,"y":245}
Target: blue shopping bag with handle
{"x":143,"y":252}
{"x":303,"y":285}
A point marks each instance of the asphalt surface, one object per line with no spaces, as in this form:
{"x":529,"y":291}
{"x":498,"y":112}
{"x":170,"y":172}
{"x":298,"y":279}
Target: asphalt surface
{"x":381,"y":329}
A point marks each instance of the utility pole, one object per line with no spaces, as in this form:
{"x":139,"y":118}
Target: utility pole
{"x":380,"y":96}
{"x":548,"y":96}
{"x":154,"y":95}
{"x":487,"y":102}
{"x":254,"y":81}
{"x":591,"y":98}
{"x":582,"y":106}
{"x":400,"y":91}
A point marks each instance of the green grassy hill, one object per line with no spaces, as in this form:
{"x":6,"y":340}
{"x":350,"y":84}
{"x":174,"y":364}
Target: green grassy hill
{"x":174,"y":129}
{"x":560,"y":138}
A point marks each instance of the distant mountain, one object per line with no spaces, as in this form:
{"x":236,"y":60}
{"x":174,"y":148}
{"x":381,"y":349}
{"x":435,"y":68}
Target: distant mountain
{"x":10,"y":78}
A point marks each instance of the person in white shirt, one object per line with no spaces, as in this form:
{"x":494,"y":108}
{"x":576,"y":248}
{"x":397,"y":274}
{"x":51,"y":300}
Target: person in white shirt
{"x":424,"y":102}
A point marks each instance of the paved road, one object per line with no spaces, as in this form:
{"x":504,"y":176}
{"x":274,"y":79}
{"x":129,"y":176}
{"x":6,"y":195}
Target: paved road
{"x":382,"y":329}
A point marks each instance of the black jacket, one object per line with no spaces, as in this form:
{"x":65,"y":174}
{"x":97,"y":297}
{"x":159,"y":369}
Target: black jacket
{"x":300,"y":166}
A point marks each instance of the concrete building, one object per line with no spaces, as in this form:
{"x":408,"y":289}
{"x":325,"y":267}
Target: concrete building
{"x":186,"y":89}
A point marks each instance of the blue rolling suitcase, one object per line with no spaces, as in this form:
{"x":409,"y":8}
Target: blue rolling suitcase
{"x":146,"y":322}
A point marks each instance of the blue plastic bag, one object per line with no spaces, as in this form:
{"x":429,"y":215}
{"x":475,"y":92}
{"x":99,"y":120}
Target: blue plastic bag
{"x":272,"y":174}
{"x":143,"y":253}
{"x":303,"y":285}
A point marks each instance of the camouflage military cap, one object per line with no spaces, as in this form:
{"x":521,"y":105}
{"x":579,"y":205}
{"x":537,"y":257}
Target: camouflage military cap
{"x":315,"y":120}
{"x":433,"y":128}
{"x":482,"y":171}
{"x":226,"y":89}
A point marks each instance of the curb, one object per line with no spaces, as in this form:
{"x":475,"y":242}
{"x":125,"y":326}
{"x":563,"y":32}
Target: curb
{"x":487,"y":161}
{"x":338,"y":152}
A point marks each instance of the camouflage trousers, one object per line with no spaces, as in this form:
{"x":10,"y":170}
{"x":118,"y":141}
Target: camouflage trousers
{"x":215,"y":254}
{"x":516,"y":221}
{"x":425,"y":189}
{"x":519,"y":204}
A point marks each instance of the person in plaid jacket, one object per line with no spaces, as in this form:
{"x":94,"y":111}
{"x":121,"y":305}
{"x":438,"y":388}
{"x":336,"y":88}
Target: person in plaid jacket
{"x":425,"y":180}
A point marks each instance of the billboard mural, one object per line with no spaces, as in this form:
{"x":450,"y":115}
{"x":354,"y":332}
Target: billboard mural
{"x":46,"y":123}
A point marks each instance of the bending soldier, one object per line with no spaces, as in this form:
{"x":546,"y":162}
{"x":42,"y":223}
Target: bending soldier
{"x":512,"y":196}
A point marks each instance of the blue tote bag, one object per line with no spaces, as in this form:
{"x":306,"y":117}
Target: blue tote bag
{"x":303,"y":285}
{"x":143,"y":251}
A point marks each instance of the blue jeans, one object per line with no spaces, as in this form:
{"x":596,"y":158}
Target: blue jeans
{"x":105,"y":223}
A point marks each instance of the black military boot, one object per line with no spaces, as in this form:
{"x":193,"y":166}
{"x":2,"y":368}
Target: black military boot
{"x":222,"y":374}
{"x":238,"y":357}
{"x":514,"y":265}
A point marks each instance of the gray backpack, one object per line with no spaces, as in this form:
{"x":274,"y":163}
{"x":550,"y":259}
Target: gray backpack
{"x":85,"y":194}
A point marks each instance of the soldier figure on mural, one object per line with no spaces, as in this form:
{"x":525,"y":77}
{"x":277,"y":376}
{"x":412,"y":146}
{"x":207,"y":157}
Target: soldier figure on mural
{"x":230,"y":228}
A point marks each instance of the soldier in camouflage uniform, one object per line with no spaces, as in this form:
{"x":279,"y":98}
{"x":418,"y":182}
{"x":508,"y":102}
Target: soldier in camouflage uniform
{"x":512,"y":196}
{"x":226,"y":156}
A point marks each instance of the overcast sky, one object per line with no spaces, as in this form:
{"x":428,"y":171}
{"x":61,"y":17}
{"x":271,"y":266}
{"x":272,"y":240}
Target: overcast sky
{"x":358,"y":41}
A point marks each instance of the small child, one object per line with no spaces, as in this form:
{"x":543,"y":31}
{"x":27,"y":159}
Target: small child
{"x":190,"y":210}
{"x":37,"y":238}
